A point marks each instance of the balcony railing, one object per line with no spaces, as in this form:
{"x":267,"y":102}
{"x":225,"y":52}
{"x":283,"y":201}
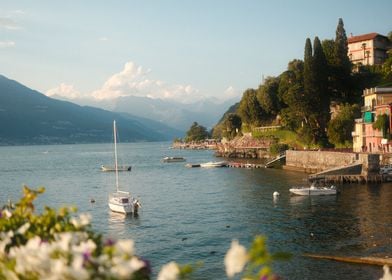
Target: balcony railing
{"x":366,"y":108}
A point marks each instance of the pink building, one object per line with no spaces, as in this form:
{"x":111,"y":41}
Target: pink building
{"x":378,"y":101}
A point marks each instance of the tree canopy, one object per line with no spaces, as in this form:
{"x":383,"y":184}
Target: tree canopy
{"x":196,"y":133}
{"x":300,"y":98}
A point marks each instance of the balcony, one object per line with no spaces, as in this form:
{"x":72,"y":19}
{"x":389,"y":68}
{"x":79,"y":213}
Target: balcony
{"x":366,"y":108}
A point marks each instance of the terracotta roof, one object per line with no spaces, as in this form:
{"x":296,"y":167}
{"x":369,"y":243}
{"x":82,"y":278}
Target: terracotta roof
{"x":363,"y":37}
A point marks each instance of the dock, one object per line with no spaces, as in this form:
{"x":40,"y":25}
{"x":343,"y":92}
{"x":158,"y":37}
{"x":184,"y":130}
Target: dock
{"x":245,"y":165}
{"x":279,"y":159}
{"x":359,"y":260}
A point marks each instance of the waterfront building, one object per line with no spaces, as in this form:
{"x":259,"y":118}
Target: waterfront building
{"x":366,"y":138}
{"x":368,"y":49}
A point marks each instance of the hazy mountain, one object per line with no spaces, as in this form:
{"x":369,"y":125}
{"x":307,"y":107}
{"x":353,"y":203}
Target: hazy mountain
{"x":29,"y":117}
{"x":175,"y":114}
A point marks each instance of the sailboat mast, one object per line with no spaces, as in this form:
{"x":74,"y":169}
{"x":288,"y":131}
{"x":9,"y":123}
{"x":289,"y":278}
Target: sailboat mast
{"x":115,"y":152}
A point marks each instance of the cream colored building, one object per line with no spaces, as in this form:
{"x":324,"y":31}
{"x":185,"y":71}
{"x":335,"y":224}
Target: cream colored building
{"x":368,"y":49}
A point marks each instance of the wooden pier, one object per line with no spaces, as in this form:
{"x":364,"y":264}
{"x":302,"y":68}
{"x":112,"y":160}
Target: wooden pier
{"x":245,"y":165}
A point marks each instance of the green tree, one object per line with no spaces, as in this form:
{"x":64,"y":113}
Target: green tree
{"x":249,"y":109}
{"x":267,"y":95}
{"x":329,"y":51}
{"x":382,"y":124}
{"x":311,"y":98}
{"x":390,"y":36}
{"x":231,"y":126}
{"x":340,"y":128}
{"x":196,"y":133}
{"x":342,"y":65}
{"x":321,"y":93}
{"x":387,"y":69}
{"x":291,"y":95}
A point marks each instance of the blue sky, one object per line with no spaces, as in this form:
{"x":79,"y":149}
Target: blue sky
{"x":172,"y":49}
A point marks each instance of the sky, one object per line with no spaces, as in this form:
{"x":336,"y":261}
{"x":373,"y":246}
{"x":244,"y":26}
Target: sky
{"x":175,"y":49}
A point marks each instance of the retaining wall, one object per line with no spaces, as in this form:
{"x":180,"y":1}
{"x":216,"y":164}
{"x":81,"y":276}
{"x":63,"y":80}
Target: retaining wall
{"x":317,"y":161}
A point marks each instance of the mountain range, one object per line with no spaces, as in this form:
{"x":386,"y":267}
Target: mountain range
{"x":30,"y":117}
{"x":206,"y":112}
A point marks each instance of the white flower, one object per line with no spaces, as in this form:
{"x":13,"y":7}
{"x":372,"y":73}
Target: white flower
{"x":63,"y":241}
{"x":169,"y":271}
{"x":77,"y":271}
{"x":34,"y":256}
{"x":124,"y":268}
{"x":124,"y":247}
{"x":58,"y":266}
{"x":84,"y":247}
{"x":5,"y":239}
{"x":6,"y":213}
{"x":23,"y":228}
{"x":235,"y":259}
{"x":84,"y":220}
{"x":387,"y":273}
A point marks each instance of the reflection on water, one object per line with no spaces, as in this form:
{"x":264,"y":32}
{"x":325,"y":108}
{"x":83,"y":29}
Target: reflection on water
{"x":190,"y":212}
{"x":119,"y":224}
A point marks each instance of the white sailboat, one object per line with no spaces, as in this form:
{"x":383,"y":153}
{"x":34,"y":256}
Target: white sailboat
{"x":121,"y":201}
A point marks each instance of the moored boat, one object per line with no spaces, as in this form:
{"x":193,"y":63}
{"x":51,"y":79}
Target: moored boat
{"x":107,"y":168}
{"x":313,"y":190}
{"x":214,"y":164}
{"x":173,"y":159}
{"x":121,"y":201}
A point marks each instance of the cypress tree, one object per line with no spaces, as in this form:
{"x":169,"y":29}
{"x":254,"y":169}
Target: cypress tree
{"x":308,"y":76}
{"x":341,"y":78}
{"x":341,"y":47}
{"x":320,"y":85}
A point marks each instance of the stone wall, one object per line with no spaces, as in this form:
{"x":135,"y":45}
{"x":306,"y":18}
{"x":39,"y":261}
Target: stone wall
{"x":370,"y":163}
{"x":317,"y":161}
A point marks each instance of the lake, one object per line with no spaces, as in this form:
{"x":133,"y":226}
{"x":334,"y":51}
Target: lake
{"x":192,"y":214}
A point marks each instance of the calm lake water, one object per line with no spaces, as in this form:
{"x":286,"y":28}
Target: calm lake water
{"x":192,"y":214}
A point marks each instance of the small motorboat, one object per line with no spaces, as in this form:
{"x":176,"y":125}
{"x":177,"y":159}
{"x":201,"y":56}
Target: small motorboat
{"x":386,"y":169}
{"x":214,"y":164}
{"x":314,"y":190}
{"x":106,"y":168}
{"x":173,"y":159}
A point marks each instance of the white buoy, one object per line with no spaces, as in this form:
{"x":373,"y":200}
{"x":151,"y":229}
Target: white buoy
{"x":276,"y":194}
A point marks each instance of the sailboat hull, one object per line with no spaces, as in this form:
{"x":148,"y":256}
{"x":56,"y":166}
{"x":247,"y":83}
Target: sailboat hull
{"x":119,"y":208}
{"x":121,"y":202}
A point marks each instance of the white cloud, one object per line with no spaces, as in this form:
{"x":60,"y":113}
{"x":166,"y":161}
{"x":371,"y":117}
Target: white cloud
{"x":231,"y":92}
{"x":103,"y":39}
{"x":133,"y":80}
{"x":64,"y":90}
{"x":18,"y":12}
{"x":8,"y":23}
{"x":7,"y":44}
